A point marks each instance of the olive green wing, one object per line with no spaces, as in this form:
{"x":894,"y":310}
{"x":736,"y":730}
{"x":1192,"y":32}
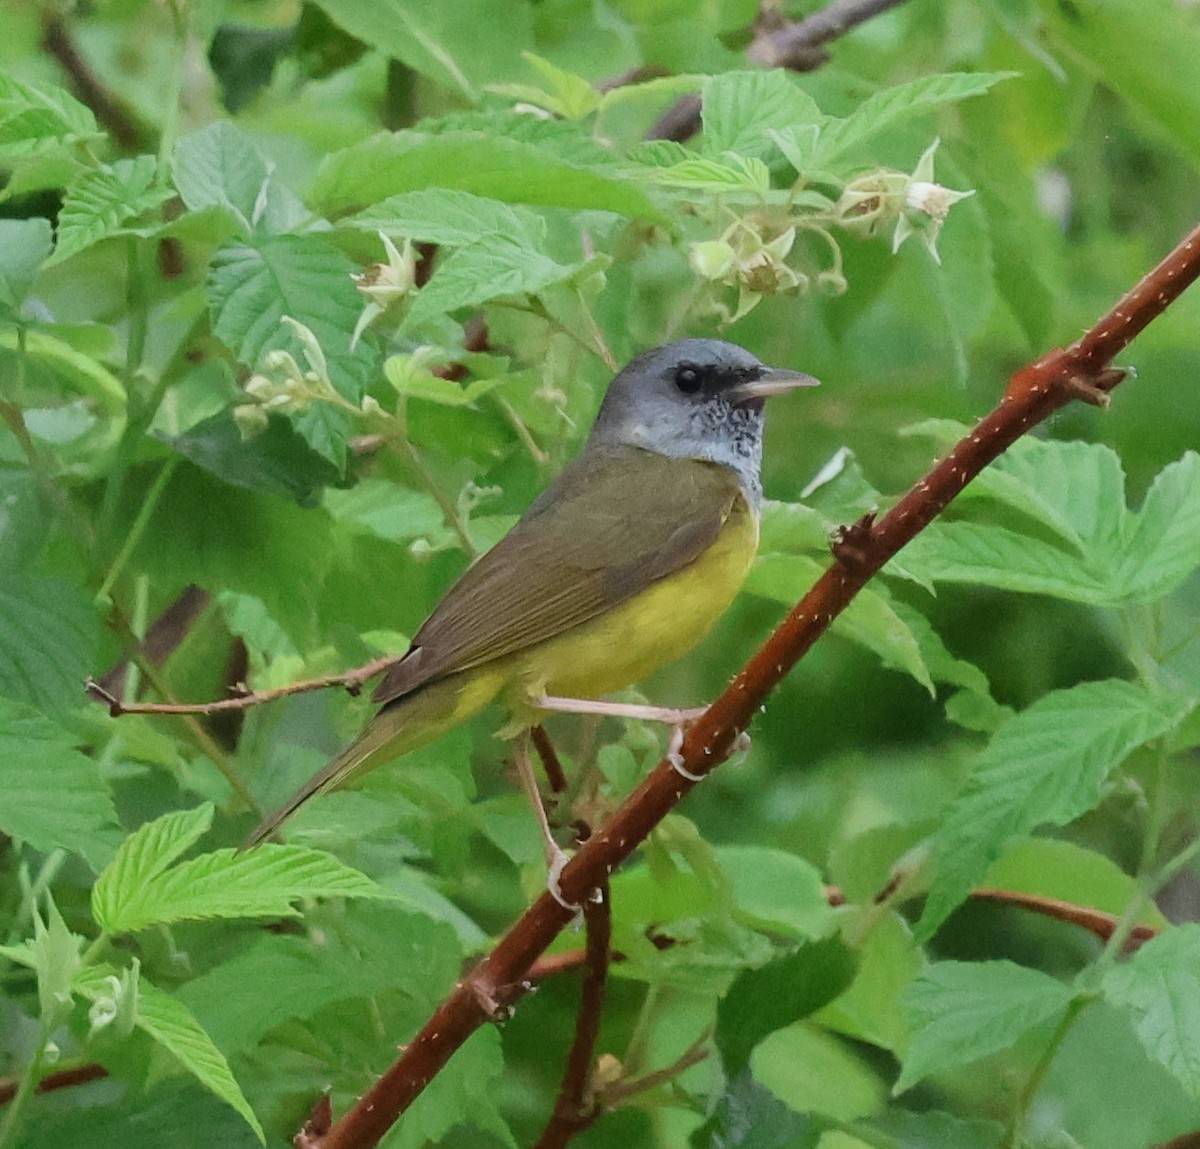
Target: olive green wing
{"x":613,"y":522}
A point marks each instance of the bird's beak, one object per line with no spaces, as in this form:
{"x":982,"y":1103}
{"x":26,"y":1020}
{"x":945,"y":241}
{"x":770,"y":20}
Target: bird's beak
{"x":772,"y":381}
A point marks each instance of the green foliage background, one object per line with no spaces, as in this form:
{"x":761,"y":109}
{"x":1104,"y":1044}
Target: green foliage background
{"x":196,"y":394}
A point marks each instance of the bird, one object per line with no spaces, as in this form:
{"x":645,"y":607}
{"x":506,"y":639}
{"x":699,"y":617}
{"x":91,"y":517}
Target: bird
{"x":621,"y":566}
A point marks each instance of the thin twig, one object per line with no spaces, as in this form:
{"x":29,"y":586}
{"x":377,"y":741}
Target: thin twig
{"x":617,"y":1094}
{"x":576,"y":1107}
{"x":62,"y":1079}
{"x":245,"y":698}
{"x":1099,"y":922}
{"x":1079,"y":372}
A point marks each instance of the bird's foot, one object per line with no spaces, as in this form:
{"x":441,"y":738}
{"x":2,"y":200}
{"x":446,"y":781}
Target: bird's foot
{"x":741,"y":747}
{"x":556,"y":861}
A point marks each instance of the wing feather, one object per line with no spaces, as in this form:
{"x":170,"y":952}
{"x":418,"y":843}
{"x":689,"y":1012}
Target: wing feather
{"x":613,"y":522}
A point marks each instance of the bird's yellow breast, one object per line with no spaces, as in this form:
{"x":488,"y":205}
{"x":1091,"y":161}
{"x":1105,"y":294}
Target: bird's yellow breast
{"x":633,"y":639}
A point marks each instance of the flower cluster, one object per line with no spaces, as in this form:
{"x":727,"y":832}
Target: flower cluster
{"x":915,"y":204}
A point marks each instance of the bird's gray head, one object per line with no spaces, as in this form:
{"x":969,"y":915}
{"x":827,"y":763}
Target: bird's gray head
{"x":695,"y":399}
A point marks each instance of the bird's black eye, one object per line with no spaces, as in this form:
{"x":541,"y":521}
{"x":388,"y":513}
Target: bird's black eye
{"x":688,"y":379}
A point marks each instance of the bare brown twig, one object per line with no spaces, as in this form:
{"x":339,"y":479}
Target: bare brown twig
{"x":1099,"y":922}
{"x":576,"y":1107}
{"x":352,"y":680}
{"x":1081,"y":371}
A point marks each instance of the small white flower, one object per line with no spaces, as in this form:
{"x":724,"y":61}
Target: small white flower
{"x":926,"y":205}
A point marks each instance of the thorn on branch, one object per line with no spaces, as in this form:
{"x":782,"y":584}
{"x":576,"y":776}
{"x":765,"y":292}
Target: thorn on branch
{"x":497,"y":1002}
{"x":316,"y":1125}
{"x":99,"y":694}
{"x":852,"y":545}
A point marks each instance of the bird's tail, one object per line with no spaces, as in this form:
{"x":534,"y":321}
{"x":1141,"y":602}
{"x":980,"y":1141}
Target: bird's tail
{"x":399,"y":727}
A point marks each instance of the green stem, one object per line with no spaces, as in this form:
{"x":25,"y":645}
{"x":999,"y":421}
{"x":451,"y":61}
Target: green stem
{"x":79,"y":528}
{"x":139,"y":318}
{"x":451,"y":513}
{"x":207,"y":744}
{"x":1157,"y":817}
{"x":25,"y":1090}
{"x":523,"y":433}
{"x":92,"y":954}
{"x":1074,"y":1009}
{"x":33,"y":892}
{"x":599,"y":346}
{"x":639,"y":1040}
{"x":1184,"y":858}
{"x":174,"y":95}
{"x":145,"y":512}
{"x":137,"y":304}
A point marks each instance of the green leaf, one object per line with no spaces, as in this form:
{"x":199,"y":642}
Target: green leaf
{"x":54,"y":796}
{"x":894,"y":105}
{"x":1160,"y":986}
{"x":935,"y":1130}
{"x":253,"y":286}
{"x":48,"y":635}
{"x":204,"y":530}
{"x":219,"y":167}
{"x":972,"y":706}
{"x":469,"y":276}
{"x":888,"y":960}
{"x":1092,"y":549}
{"x":815,"y":1073}
{"x":388,"y":511}
{"x":785,"y":990}
{"x":1046,"y":765}
{"x":739,"y":108}
{"x":145,"y":854}
{"x":75,"y":368}
{"x":451,"y":218}
{"x":566,"y":95}
{"x":777,"y":891}
{"x":869,"y":621}
{"x":732,"y":173}
{"x":263,"y":882}
{"x":465,"y":1092}
{"x":748,"y":1116}
{"x":99,"y":203}
{"x":278,"y":460}
{"x":441,"y":41}
{"x":172,"y":1025}
{"x":416,"y":382}
{"x":40,"y":117}
{"x":1164,"y":545}
{"x":962,"y":1011}
{"x":55,"y":952}
{"x":305,"y":978}
{"x":1160,"y":68}
{"x":171,"y":1114}
{"x":1050,"y":868}
{"x":501,"y":168}
{"x":248,"y":618}
{"x":24,"y":246}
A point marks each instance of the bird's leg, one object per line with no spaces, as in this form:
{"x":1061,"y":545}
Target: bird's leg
{"x":671,"y":715}
{"x":556,"y":857}
{"x":677,"y":719}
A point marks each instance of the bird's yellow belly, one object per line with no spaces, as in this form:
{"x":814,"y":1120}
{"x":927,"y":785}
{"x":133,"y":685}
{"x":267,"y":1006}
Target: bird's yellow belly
{"x":657,"y":626}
